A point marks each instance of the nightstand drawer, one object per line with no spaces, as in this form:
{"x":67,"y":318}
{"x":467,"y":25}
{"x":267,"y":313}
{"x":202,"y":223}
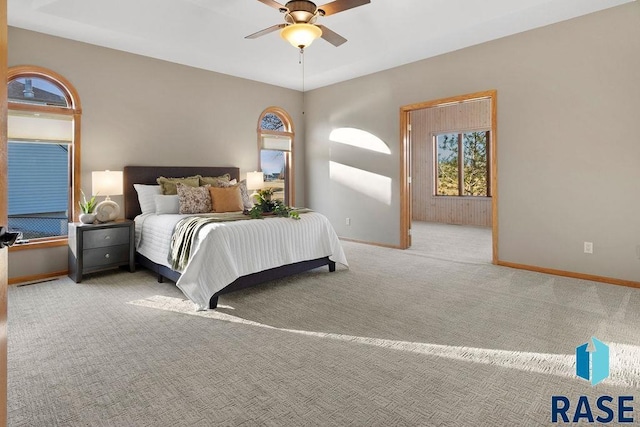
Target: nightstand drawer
{"x":96,"y":247}
{"x":101,"y":257}
{"x":105,"y":237}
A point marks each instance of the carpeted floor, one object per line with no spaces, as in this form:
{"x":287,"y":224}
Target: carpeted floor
{"x":399,"y":339}
{"x":451,"y":242}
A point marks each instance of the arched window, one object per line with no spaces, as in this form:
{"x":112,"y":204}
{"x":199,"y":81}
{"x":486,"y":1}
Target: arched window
{"x":275,"y":144}
{"x":43,"y":133}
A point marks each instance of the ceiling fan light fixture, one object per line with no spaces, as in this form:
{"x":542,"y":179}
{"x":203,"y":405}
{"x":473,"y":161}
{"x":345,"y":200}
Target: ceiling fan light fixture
{"x":300,"y":35}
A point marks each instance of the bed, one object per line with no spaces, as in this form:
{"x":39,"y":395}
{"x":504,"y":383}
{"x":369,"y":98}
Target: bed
{"x":212,"y":271}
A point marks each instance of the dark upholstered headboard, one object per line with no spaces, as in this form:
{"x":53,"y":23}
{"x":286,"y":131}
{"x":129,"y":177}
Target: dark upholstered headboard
{"x":149,"y":174}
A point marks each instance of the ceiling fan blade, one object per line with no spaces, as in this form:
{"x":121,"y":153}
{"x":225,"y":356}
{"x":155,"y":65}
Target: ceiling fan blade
{"x":265,"y":31}
{"x":272,"y":3}
{"x":341,"y":5}
{"x":331,"y":36}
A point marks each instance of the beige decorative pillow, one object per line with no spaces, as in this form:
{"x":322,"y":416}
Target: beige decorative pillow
{"x":193,"y":200}
{"x":226,"y":199}
{"x":215,"y":181}
{"x":168,"y":185}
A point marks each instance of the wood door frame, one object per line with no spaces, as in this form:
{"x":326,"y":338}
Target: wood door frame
{"x":4,"y":256}
{"x":405,"y":163}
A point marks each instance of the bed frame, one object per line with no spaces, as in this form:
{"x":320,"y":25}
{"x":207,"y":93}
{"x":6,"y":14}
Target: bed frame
{"x":149,"y":174}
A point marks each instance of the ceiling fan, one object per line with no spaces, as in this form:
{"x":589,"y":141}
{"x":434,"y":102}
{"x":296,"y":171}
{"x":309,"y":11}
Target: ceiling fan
{"x":300,"y":16}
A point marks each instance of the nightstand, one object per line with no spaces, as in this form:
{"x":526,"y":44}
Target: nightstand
{"x":95,"y":247}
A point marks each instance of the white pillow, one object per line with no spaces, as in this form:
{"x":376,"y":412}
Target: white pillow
{"x":167,"y":204}
{"x":145,"y":197}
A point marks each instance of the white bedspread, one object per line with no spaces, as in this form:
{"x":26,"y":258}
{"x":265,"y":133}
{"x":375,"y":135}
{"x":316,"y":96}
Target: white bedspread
{"x":224,"y":251}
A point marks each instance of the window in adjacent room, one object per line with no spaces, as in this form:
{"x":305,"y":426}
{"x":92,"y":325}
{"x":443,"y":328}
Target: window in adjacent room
{"x":43,"y":153}
{"x":275,"y":140}
{"x":462,"y":164}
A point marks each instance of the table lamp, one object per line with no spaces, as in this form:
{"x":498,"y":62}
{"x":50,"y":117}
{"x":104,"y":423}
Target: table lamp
{"x":255,"y":181}
{"x":106,"y":183}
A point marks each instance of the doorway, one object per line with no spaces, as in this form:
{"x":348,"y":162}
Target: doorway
{"x":446,"y":125}
{"x":3,"y":212}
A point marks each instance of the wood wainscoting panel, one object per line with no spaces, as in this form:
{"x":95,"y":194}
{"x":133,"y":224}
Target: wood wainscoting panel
{"x":425,"y":123}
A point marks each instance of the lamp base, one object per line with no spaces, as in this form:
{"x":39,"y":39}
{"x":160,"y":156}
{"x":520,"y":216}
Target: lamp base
{"x":107,"y":210}
{"x":254,"y":197}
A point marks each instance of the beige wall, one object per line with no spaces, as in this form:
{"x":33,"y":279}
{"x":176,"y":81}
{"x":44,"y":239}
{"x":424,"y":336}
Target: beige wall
{"x":425,"y":123}
{"x":143,"y":111}
{"x":568,"y":146}
{"x":567,"y":133}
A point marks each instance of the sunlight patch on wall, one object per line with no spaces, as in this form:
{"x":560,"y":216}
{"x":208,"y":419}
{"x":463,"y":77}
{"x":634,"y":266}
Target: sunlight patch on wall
{"x":359,"y":138}
{"x":368,"y":183}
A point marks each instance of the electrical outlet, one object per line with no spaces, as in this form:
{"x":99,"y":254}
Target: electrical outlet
{"x":638,"y":251}
{"x":588,"y":247}
{"x":348,"y":221}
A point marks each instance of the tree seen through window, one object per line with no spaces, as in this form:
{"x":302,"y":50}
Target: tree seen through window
{"x":462,"y":164}
{"x":271,"y":122}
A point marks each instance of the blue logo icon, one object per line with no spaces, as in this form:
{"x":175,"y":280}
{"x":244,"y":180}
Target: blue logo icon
{"x":592,"y":364}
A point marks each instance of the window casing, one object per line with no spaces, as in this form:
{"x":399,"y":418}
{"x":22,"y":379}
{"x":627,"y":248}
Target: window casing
{"x":275,"y":147}
{"x":462,"y":163}
{"x":43,"y":133}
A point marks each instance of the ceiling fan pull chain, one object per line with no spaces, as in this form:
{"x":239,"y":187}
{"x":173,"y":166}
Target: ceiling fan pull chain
{"x":302,"y":63}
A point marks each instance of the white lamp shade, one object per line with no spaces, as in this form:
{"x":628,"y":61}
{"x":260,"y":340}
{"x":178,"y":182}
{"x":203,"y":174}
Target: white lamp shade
{"x":106,"y":183}
{"x":300,"y":35}
{"x":255,"y":180}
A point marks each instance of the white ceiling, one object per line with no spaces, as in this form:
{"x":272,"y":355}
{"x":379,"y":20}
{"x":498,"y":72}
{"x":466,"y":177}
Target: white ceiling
{"x":209,"y":34}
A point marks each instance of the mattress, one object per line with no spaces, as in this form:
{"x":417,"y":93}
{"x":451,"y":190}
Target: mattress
{"x":224,"y":251}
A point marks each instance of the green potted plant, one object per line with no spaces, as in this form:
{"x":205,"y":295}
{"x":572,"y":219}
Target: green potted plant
{"x":87,"y":206}
{"x":265,"y":194}
{"x":265,"y":206}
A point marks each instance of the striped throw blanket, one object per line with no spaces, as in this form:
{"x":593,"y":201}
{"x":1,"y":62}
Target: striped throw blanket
{"x":187,"y":228}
